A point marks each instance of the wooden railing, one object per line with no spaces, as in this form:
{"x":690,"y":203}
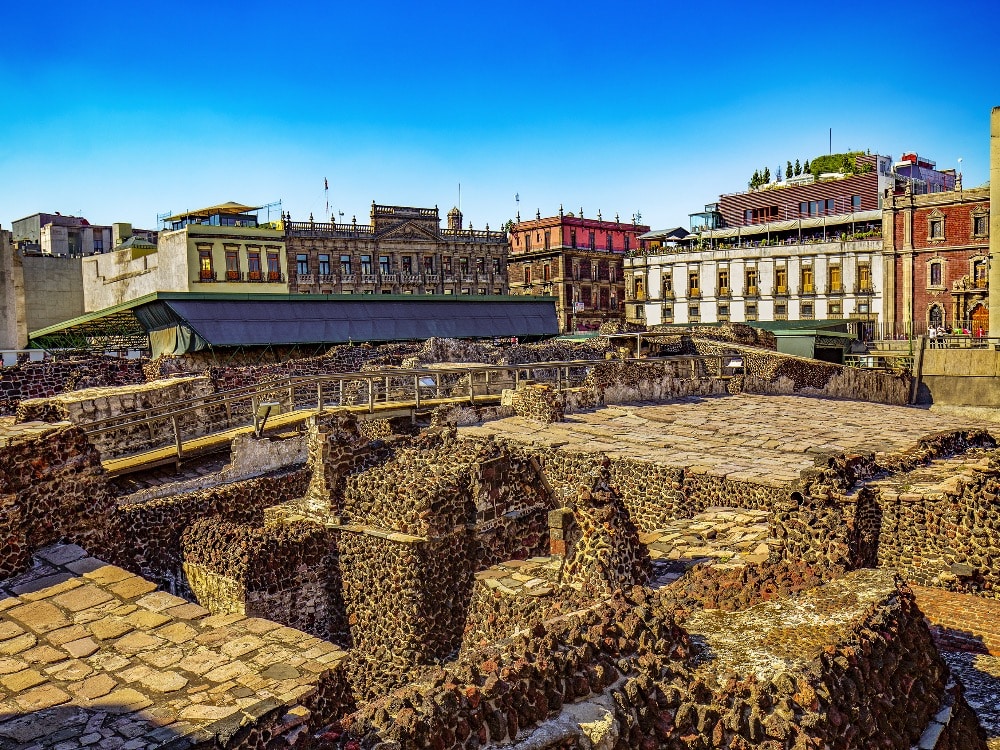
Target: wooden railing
{"x":407,"y":388}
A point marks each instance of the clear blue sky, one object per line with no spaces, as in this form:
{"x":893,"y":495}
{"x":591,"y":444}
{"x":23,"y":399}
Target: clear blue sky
{"x":122,"y":110}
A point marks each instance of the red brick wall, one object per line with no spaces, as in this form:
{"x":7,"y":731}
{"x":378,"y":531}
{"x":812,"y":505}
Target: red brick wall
{"x":957,"y":250}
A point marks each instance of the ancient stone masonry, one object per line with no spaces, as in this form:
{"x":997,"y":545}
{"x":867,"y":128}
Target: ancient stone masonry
{"x":834,"y":517}
{"x":51,"y":488}
{"x":603,"y":554}
{"x":148,"y":534}
{"x":43,"y":379}
{"x":279,"y":571}
{"x":940,"y":523}
{"x":794,"y":673}
{"x":734,"y":333}
{"x":772,"y":373}
{"x":94,"y":404}
{"x":538,"y":402}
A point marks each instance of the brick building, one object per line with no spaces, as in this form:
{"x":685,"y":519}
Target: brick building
{"x":403,"y":250}
{"x":861,"y":187}
{"x":577,"y":260}
{"x":937,"y":259}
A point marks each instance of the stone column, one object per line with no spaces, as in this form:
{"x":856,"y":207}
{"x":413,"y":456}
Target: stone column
{"x":995,"y":222}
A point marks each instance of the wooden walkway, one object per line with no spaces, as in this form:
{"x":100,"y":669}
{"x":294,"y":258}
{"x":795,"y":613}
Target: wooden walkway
{"x":222,"y":440}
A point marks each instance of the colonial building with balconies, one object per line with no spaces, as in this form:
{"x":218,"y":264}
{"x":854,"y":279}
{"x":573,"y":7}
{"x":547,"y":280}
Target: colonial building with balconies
{"x":576,"y":260}
{"x":403,"y":250}
{"x":828,"y":269}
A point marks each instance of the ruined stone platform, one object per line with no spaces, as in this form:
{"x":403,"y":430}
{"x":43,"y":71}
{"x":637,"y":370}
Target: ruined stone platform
{"x":723,"y":537}
{"x":93,"y":656}
{"x":765,"y":440}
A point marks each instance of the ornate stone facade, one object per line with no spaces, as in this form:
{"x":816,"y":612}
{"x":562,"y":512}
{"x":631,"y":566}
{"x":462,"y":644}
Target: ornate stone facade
{"x":403,"y":250}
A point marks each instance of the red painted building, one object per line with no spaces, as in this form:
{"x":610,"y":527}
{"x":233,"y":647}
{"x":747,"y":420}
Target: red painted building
{"x":936,"y":250}
{"x":577,"y":260}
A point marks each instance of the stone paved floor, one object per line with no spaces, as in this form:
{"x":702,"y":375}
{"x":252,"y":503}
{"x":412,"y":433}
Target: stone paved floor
{"x":91,"y":655}
{"x":762,"y":439}
{"x":726,"y":537}
{"x":967,"y":630}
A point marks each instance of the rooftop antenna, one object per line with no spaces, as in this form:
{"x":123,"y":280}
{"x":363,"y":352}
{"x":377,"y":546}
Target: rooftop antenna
{"x":326,"y":193}
{"x":517,"y":202}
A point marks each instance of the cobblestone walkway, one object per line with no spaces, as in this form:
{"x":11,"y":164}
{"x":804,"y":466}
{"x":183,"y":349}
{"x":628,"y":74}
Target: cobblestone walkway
{"x":763,"y":439}
{"x":93,"y":656}
{"x":967,"y":630}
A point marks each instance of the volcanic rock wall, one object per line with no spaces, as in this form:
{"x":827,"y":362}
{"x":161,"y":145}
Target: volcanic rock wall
{"x":52,"y":488}
{"x":43,"y":379}
{"x":940,"y":524}
{"x":604,"y":554}
{"x":93,"y":404}
{"x":777,"y":374}
{"x":847,"y":665}
{"x":148,"y":534}
{"x":281,"y":572}
{"x":406,"y":600}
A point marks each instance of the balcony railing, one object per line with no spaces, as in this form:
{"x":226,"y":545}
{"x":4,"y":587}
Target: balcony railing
{"x":694,"y":293}
{"x":410,"y":278}
{"x":275,"y":277}
{"x":752,"y":291}
{"x":389,"y":278}
{"x":348,"y":278}
{"x":432,"y":278}
{"x":863,"y":289}
{"x":305,"y":279}
{"x":205,"y":275}
{"x":468,"y":278}
{"x":327,"y":278}
{"x":808,"y":289}
{"x":255,"y":276}
{"x":781,"y":291}
{"x":835,"y":289}
{"x":724,"y":291}
{"x":369,"y":278}
{"x":234,"y":276}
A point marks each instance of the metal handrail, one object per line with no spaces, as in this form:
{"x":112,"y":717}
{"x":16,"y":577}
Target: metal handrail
{"x":292,"y":383}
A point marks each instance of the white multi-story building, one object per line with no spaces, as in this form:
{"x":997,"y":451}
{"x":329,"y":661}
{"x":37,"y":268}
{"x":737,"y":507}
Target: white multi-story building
{"x":768,"y":272}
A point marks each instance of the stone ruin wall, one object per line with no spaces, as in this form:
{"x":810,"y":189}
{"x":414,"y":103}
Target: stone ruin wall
{"x":949,"y":536}
{"x":52,"y":488}
{"x":281,"y":572}
{"x":774,"y":374}
{"x":88,"y":405}
{"x":633,"y":653}
{"x":149,"y":533}
{"x":44,"y":379}
{"x":836,"y":517}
